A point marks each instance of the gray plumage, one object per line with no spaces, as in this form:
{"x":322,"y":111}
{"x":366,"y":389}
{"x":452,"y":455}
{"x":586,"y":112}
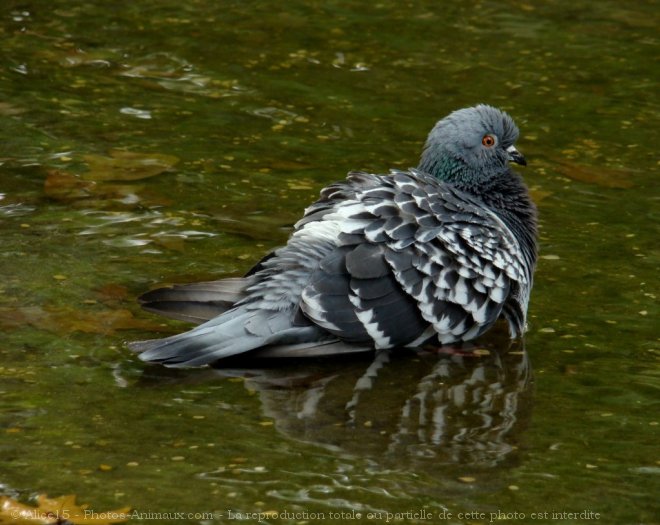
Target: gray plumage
{"x":429,"y":255}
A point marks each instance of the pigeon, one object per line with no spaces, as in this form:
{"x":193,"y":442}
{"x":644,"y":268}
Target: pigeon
{"x":432,"y":255}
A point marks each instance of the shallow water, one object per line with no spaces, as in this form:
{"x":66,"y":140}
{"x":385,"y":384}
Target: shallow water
{"x":156,"y":142}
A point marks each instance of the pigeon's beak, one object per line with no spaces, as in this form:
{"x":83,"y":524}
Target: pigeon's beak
{"x":516,"y":156}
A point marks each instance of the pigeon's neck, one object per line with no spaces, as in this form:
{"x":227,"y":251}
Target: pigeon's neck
{"x":448,"y":169}
{"x":455,"y":172}
{"x":503,"y":192}
{"x":508,"y":196}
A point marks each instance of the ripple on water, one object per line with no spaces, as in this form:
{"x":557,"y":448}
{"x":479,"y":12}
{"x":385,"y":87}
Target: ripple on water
{"x":16,"y":209}
{"x":176,"y":74}
{"x":151,"y":227}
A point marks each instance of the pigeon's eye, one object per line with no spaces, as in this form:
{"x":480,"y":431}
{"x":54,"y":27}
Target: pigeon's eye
{"x":488,"y":141}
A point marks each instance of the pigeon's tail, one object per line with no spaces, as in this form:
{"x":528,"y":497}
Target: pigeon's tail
{"x":195,"y":303}
{"x":238,"y":330}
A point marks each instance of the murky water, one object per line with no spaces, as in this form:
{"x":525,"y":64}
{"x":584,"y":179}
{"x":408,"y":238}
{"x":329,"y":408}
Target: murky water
{"x":158,"y":141}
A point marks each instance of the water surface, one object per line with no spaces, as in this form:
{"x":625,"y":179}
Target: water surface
{"x":155,"y":142}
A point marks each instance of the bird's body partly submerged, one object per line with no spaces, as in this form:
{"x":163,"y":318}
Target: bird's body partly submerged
{"x":429,"y":255}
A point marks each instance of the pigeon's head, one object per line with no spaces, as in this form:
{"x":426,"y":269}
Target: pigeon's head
{"x":471,"y":145}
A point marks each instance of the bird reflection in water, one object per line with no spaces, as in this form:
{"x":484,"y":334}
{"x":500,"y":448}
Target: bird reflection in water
{"x":453,"y":407}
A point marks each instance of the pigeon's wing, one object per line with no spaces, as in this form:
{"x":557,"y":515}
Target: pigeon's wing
{"x":416,"y":258}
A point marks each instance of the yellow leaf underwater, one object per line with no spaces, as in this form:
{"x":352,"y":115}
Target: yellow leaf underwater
{"x":53,"y":511}
{"x":66,"y":186}
{"x":9,"y":110}
{"x":599,"y":175}
{"x":127,"y":165}
{"x":64,"y":321}
{"x":62,"y":185}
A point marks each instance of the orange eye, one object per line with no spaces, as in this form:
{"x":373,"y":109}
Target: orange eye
{"x":488,"y":141}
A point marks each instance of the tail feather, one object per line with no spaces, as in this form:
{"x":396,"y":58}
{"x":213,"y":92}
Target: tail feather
{"x":188,"y":349}
{"x":197,"y":302}
{"x":238,"y":330}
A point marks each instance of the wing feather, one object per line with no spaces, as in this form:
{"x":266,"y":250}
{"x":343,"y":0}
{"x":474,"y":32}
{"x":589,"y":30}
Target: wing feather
{"x":413,"y":252}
